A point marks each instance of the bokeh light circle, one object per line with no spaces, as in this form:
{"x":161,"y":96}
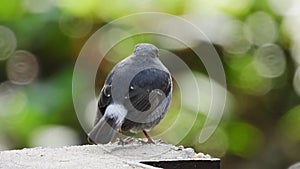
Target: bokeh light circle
{"x":22,"y":67}
{"x":263,"y":28}
{"x":12,"y":101}
{"x":8,"y":42}
{"x":296,"y":81}
{"x":37,"y":6}
{"x":175,"y":27}
{"x":236,"y":37}
{"x":295,"y":166}
{"x":75,"y":27}
{"x":270,"y":61}
{"x":289,"y":124}
{"x":43,"y":136}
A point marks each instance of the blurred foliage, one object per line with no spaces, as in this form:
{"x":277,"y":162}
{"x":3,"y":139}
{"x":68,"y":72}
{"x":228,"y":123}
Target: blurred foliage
{"x":261,"y":124}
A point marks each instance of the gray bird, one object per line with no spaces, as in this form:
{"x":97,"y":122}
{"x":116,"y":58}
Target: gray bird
{"x":135,"y":97}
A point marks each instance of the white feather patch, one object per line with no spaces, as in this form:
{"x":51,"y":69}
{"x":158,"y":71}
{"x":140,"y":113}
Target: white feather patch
{"x":117,"y":112}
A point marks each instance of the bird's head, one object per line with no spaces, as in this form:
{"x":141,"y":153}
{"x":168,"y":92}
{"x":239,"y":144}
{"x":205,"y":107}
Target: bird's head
{"x":146,"y":49}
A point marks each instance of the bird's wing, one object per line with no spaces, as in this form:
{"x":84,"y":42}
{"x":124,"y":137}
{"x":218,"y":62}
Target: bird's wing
{"x":148,"y":89}
{"x":105,"y":97}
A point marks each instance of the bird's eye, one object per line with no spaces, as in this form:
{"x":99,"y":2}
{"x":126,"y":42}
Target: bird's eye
{"x":107,"y":91}
{"x":131,"y":87}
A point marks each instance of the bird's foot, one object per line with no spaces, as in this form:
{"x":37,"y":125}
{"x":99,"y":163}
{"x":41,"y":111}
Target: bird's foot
{"x":160,"y":141}
{"x":149,"y":139}
{"x":125,"y":141}
{"x":143,"y":141}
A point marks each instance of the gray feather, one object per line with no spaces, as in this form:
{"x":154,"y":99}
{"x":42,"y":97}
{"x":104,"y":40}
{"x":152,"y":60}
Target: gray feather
{"x":102,"y":132}
{"x":105,"y":129}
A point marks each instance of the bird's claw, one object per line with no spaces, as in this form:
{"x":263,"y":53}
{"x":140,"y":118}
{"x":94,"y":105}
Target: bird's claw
{"x":125,"y":141}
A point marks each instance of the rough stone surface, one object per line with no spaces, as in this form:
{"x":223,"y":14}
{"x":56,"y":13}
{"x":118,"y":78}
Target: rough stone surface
{"x":96,"y":156}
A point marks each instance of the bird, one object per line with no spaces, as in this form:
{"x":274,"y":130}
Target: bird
{"x":135,"y":97}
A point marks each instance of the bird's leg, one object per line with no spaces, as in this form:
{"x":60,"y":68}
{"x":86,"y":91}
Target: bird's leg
{"x":124,"y":141}
{"x":150,"y":141}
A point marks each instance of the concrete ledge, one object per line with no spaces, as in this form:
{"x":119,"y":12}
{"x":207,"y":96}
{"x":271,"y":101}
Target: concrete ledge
{"x":135,"y":155}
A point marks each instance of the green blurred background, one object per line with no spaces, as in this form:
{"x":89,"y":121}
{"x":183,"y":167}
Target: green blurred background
{"x":257,"y":40}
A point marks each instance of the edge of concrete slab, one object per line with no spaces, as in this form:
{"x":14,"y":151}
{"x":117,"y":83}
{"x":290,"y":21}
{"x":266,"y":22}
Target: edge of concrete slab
{"x":136,"y":155}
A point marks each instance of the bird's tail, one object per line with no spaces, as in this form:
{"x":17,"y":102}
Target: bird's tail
{"x":107,"y":126}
